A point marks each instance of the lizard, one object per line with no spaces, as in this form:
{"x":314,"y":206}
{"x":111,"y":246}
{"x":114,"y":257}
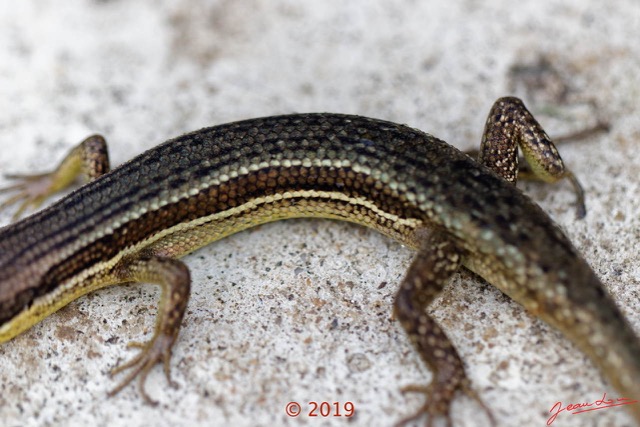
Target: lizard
{"x":133,"y":223}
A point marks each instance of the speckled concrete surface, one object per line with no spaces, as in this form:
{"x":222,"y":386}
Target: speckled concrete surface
{"x":301,"y":310}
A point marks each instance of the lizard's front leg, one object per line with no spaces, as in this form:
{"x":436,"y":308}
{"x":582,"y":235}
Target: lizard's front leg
{"x":89,"y":159}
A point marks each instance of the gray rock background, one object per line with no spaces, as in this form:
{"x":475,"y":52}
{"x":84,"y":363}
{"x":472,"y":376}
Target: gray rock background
{"x":301,"y":310}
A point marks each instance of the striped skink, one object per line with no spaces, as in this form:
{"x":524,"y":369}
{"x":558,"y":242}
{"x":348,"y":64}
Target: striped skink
{"x":132,"y":223}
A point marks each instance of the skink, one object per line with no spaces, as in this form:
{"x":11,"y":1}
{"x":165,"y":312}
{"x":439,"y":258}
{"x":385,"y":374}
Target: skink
{"x":132,"y":224}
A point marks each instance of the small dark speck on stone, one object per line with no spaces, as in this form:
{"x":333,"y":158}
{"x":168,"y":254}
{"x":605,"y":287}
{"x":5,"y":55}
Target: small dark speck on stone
{"x":291,"y":297}
{"x":382,"y":285}
{"x":334,"y":324}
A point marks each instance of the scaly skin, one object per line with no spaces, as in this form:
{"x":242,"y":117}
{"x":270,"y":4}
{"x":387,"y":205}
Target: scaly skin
{"x":132,"y":223}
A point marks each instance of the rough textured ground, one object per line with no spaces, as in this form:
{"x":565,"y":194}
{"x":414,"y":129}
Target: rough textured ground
{"x":301,"y":310}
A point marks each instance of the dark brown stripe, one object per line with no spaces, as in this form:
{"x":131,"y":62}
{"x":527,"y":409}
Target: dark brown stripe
{"x":217,"y":199}
{"x":315,"y":136}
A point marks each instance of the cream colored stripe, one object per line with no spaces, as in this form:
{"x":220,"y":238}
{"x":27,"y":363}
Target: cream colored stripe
{"x":252,"y":204}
